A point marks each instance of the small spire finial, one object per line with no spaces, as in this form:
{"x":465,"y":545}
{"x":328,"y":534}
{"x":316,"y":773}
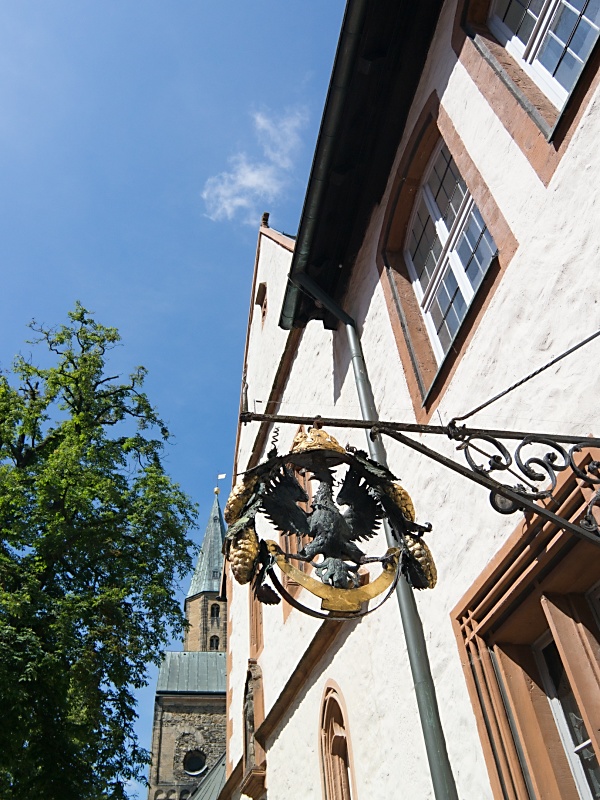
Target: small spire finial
{"x":221,"y":476}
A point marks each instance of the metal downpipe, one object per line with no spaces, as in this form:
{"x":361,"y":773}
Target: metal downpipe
{"x":444,"y":786}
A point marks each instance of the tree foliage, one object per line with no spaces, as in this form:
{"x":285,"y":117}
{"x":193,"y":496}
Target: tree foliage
{"x":93,"y":539}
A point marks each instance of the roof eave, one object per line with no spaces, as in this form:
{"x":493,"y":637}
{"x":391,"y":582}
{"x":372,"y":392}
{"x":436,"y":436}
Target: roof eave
{"x":352,"y":161}
{"x":332,"y":116}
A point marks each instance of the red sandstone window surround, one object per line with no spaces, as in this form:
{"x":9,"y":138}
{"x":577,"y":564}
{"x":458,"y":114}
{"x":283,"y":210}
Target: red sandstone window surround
{"x":502,"y":52}
{"x":474,"y":243}
{"x":335,"y":748}
{"x":530,"y":647}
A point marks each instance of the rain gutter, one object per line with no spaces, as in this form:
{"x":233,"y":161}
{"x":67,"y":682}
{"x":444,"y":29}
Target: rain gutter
{"x":336,"y":97}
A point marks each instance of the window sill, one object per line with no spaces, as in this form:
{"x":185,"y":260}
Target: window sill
{"x":533,"y":101}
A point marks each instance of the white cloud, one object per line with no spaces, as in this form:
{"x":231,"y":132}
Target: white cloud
{"x":251,"y":181}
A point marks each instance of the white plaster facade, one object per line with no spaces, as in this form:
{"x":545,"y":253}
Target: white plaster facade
{"x":548,"y":300}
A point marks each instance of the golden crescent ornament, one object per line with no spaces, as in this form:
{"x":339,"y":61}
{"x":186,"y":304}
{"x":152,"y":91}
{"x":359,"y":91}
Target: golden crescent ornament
{"x":345,"y":601}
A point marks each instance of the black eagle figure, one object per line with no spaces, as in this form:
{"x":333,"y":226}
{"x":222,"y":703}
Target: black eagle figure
{"x":333,"y":533}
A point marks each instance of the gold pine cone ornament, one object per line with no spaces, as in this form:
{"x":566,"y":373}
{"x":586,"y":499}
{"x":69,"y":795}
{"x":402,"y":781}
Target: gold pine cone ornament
{"x":402,"y":500}
{"x":423,"y":573}
{"x":240,"y":494}
{"x":420,"y":566}
{"x":243,"y":553}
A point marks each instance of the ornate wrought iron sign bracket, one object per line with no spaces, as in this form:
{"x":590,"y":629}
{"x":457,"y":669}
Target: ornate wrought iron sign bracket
{"x":530,"y":471}
{"x":354,"y":494}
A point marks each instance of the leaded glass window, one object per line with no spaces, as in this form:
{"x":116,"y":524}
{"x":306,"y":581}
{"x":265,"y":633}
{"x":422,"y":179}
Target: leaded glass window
{"x":449,"y":250}
{"x":551,"y":40}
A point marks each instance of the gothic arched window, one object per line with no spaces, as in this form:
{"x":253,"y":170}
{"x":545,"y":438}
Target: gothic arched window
{"x":335,"y":753}
{"x":214,"y":642}
{"x":215,"y":613}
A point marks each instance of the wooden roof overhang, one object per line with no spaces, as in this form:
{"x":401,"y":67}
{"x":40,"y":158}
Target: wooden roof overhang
{"x":381,"y":54}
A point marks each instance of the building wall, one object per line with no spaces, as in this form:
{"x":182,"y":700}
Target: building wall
{"x":182,"y":724}
{"x":547,"y":300}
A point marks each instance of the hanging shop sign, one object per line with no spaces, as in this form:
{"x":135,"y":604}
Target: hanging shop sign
{"x":354,"y":494}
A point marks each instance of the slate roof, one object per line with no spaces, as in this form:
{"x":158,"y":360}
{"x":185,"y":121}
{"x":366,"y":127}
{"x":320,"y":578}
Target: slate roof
{"x":213,"y":782}
{"x":207,"y":575}
{"x":192,"y":673}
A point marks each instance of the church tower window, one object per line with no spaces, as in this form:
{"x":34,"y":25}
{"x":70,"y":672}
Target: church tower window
{"x":194,"y":762}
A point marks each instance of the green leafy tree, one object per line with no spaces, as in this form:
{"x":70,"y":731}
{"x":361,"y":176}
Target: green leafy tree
{"x":93,"y":539}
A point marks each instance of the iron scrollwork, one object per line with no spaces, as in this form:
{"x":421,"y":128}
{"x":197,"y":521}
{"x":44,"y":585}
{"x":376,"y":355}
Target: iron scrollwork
{"x":531,"y":470}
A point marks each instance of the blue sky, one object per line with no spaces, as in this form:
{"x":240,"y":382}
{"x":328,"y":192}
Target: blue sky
{"x":139,"y":144}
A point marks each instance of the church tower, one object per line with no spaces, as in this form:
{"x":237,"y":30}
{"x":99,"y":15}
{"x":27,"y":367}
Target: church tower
{"x":188,"y":735}
{"x":203,"y":610}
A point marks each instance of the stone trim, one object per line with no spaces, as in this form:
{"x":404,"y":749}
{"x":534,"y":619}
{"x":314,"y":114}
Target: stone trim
{"x":340,"y":790}
{"x":535,"y":583}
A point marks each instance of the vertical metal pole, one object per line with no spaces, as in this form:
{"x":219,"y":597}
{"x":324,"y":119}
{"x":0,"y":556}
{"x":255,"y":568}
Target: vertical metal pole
{"x":442,"y":778}
{"x":444,"y":786}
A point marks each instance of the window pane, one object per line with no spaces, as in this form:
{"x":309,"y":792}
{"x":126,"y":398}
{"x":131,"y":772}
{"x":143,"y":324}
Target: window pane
{"x":455,"y":202}
{"x":514,"y":16}
{"x":436,"y":314}
{"x":564,"y":24}
{"x":476,"y":248}
{"x":501,"y":8}
{"x":550,"y":53}
{"x":444,"y":298}
{"x":526,"y":28}
{"x":444,"y":337}
{"x":568,"y":71}
{"x":592,"y":12}
{"x":464,"y":251}
{"x":435,"y":180}
{"x":448,"y":309}
{"x":583,"y":39}
{"x":455,"y":315}
{"x":472,"y":235}
{"x":427,"y":272}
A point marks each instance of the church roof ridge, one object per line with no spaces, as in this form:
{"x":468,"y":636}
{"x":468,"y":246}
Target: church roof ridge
{"x":207,"y":575}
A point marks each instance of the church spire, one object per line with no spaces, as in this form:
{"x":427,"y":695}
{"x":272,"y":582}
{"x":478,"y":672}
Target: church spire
{"x":207,"y":575}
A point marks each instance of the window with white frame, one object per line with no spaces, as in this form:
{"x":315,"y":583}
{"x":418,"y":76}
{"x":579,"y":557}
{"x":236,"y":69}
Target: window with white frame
{"x":449,"y":250}
{"x":551,"y":39}
{"x":577,"y":743}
